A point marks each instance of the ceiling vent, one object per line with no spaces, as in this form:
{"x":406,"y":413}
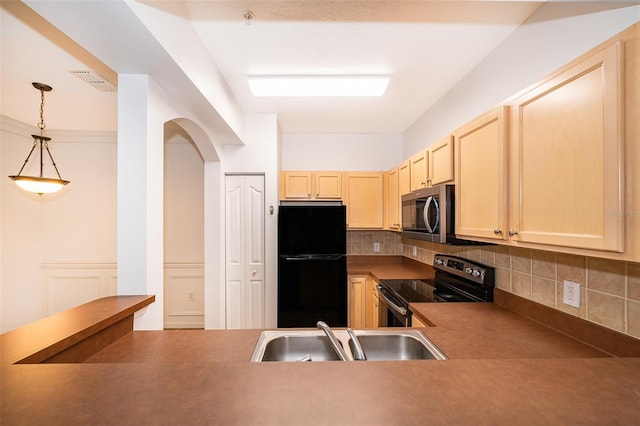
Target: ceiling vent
{"x":94,"y":79}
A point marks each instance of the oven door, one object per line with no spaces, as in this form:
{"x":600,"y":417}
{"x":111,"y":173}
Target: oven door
{"x":391,"y":312}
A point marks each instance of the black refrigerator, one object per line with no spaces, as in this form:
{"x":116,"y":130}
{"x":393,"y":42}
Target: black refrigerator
{"x":312,"y":265}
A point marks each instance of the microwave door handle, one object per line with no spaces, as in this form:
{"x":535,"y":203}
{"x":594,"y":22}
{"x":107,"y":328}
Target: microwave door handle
{"x":425,"y":212}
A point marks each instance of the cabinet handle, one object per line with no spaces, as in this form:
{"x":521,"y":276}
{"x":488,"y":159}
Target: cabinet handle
{"x":317,"y":194}
{"x":497,"y":231}
{"x":513,"y":232}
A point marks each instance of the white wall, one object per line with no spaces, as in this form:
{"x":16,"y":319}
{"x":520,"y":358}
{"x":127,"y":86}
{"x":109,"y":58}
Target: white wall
{"x":260,"y":154}
{"x":340,"y":151}
{"x":75,"y":226}
{"x":552,"y":37}
{"x":183,"y":199}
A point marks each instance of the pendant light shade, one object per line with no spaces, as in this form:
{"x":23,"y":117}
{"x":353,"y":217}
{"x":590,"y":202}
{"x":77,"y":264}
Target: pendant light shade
{"x":40,"y":184}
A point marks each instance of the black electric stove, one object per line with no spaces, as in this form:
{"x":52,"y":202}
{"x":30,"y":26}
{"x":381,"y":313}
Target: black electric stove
{"x":456,"y":280}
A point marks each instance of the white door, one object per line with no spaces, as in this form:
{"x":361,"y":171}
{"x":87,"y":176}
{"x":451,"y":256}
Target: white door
{"x":244,"y":248}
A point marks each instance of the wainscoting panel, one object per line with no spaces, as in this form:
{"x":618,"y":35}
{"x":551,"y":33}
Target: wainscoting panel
{"x":71,"y":284}
{"x":183,"y":295}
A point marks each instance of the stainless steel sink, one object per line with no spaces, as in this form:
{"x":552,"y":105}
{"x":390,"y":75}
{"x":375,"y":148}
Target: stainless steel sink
{"x":296,"y":348}
{"x":313,"y":345}
{"x":395,"y":347}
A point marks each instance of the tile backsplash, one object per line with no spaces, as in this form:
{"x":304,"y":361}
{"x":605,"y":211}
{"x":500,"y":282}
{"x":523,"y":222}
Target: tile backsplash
{"x":609,"y":289}
{"x":364,"y":243}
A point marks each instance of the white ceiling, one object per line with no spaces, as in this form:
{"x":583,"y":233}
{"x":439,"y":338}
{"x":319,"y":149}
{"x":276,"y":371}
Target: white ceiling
{"x":426,"y":46}
{"x":31,"y":56}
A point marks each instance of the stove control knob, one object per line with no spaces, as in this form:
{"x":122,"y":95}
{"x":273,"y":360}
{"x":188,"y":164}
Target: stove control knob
{"x":476,"y":273}
{"x":439,"y":262}
{"x":468,"y":270}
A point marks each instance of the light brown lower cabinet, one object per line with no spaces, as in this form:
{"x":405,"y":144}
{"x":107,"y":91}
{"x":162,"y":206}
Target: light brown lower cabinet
{"x":371,"y":308}
{"x":357,"y":300}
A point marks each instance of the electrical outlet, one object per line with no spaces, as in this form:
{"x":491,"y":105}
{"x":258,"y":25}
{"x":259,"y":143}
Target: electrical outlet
{"x":571,"y":294}
{"x":376,"y":247}
{"x":415,"y":251}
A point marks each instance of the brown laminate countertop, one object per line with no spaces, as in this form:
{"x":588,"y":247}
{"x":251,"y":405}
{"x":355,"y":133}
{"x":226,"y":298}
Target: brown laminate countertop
{"x":503,"y":369}
{"x":38,"y":341}
{"x":389,"y":267}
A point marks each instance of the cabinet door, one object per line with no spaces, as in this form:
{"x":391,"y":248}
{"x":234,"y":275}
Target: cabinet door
{"x":441,"y":161}
{"x":419,"y":169}
{"x":376,"y":306}
{"x":363,"y":198}
{"x":328,"y":185}
{"x":567,"y":145}
{"x":357,"y":307}
{"x":481,"y":176}
{"x":404,"y":178}
{"x":393,"y":199}
{"x":371,"y":310}
{"x":297,"y":185}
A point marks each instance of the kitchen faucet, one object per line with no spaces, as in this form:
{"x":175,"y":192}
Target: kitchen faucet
{"x":358,"y":352}
{"x":333,"y":340}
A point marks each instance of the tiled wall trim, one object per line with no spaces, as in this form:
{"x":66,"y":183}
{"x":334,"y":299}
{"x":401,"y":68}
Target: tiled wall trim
{"x":609,"y":289}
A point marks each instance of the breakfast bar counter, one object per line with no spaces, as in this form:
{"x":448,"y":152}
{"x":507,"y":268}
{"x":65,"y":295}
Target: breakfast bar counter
{"x":205,"y":377}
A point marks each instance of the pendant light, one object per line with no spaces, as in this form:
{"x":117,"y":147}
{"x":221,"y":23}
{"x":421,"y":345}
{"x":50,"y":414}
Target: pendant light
{"x":40,"y":184}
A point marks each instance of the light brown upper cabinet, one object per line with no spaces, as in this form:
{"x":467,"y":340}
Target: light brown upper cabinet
{"x":480,"y":170}
{"x":419,"y":170}
{"x":296,"y":185}
{"x":441,"y":161}
{"x":404,"y":177}
{"x":432,"y":166}
{"x":311,"y":185}
{"x":328,"y":185}
{"x":567,"y":156}
{"x":363,"y":196}
{"x":393,"y":199}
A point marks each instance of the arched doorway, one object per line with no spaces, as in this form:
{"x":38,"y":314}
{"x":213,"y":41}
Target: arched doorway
{"x":190,"y":189}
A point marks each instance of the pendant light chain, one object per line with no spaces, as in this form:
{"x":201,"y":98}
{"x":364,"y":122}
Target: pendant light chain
{"x":45,"y":141}
{"x":41,"y":125}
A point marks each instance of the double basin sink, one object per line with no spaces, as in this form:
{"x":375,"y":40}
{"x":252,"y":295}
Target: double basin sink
{"x":314,"y":345}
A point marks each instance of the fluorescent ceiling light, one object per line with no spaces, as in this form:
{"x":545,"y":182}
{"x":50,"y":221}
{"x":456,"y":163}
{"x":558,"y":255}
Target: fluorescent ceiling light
{"x":318,"y":85}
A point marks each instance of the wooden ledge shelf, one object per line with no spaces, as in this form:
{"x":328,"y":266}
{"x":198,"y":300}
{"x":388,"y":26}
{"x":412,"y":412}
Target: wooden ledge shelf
{"x":73,"y":335}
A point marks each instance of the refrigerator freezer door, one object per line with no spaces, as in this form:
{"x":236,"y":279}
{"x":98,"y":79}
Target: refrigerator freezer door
{"x":312,"y":289}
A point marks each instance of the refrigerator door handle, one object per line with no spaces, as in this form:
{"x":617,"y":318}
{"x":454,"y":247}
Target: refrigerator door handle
{"x":326,"y":256}
{"x":314,"y":257}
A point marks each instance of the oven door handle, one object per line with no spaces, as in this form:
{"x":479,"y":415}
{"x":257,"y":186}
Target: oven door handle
{"x":399,"y":309}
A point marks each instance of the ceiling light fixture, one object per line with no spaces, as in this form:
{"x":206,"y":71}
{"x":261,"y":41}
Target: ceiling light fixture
{"x":40,"y":185}
{"x":318,"y":85}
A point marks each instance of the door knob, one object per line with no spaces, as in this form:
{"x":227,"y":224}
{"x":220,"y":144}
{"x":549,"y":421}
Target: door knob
{"x":254,"y":272}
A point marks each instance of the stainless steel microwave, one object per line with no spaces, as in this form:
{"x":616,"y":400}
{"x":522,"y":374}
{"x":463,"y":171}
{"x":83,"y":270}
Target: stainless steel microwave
{"x":429,"y":214}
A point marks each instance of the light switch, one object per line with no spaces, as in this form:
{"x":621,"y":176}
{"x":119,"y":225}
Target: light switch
{"x":376,"y":247}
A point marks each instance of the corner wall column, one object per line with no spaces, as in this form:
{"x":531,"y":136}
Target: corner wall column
{"x":140,"y":209}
